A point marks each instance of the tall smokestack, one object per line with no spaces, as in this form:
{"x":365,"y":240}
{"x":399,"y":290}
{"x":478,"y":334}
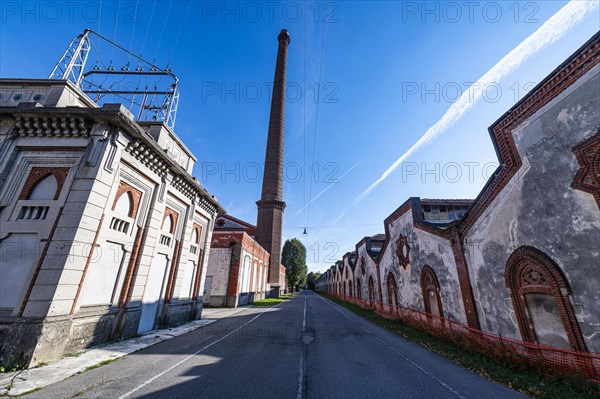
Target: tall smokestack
{"x":270,"y":206}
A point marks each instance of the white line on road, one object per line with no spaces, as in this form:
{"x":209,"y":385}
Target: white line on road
{"x":157,"y":376}
{"x":300,"y":375}
{"x":421,"y":369}
{"x":304,"y":319}
{"x":301,"y":368}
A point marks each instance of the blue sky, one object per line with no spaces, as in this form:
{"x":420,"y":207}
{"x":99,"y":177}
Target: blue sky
{"x":385,"y":72}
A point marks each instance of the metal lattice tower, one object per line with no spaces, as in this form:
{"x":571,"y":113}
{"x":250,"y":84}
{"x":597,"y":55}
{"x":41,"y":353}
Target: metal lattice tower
{"x":156,"y":104}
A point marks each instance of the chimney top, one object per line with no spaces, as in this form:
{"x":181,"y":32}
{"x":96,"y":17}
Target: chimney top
{"x":284,"y":37}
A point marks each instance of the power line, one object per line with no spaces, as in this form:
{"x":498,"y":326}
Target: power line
{"x":316,"y":119}
{"x":163,"y":30}
{"x":116,"y":26}
{"x":187,"y":11}
{"x":134,"y":22}
{"x":148,"y":27}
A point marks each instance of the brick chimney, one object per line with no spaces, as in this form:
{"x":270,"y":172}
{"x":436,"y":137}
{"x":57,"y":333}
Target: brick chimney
{"x":270,"y":206}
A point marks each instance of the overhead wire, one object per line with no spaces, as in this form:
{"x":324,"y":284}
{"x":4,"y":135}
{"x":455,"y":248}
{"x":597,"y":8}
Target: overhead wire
{"x":148,"y":27}
{"x":316,"y":120}
{"x":116,"y":27}
{"x":181,"y":24}
{"x":134,"y":23}
{"x":304,"y":119}
{"x":163,"y":31}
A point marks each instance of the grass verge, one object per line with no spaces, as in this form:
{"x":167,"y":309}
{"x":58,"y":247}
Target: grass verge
{"x":273,"y":301}
{"x":514,"y":376}
{"x":102,"y":363}
{"x":269,"y":302}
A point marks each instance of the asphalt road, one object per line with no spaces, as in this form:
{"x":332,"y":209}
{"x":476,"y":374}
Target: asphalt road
{"x":307,"y":347}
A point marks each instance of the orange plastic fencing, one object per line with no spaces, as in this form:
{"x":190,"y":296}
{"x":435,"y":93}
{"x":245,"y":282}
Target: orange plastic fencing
{"x":547,"y":360}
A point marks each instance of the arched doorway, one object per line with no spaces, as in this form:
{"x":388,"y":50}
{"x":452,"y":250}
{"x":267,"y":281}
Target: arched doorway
{"x":392,"y":290}
{"x":431,"y":292}
{"x":350,"y":288}
{"x":540,"y":297}
{"x":371,"y":291}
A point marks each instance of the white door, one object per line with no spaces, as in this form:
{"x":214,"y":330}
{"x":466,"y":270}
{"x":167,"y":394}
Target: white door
{"x":153,"y":292}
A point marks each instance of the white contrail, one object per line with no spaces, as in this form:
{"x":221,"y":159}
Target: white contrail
{"x":323,"y":191}
{"x":552,"y":30}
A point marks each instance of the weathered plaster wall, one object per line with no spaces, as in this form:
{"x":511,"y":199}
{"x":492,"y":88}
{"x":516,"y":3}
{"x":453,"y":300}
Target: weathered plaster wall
{"x":370,"y":271}
{"x":219,"y":261}
{"x":539,"y":208}
{"x":425,"y":249}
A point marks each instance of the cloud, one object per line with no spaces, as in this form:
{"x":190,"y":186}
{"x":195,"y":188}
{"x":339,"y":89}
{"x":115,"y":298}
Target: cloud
{"x":552,"y":30}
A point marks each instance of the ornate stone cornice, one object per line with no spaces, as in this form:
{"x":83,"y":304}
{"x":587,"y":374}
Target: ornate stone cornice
{"x":148,"y":157}
{"x":47,"y":125}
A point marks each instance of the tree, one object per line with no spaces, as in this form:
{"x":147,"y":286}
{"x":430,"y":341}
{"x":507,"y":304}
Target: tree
{"x":311,"y":280}
{"x":293,"y":257}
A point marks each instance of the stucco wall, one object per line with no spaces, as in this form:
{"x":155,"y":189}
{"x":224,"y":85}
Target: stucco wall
{"x":539,"y":208}
{"x":425,"y":249}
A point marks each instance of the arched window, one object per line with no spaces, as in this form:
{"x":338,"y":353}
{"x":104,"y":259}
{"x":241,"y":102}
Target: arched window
{"x":540,"y":297}
{"x":45,"y":189}
{"x":358,"y":289}
{"x":350,"y":287}
{"x":392,"y":290}
{"x":195,"y":236}
{"x":431,"y":292}
{"x":124,"y":205}
{"x":371,"y":290}
{"x":44,"y":184}
{"x":167,"y":226}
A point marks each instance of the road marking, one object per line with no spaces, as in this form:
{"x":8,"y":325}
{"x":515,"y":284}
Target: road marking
{"x":157,"y":376}
{"x":304,"y":319}
{"x":300,"y":375}
{"x":302,"y":349}
{"x":420,"y":368}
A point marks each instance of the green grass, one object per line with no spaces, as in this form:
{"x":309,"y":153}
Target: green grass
{"x":515,"y":376}
{"x":273,"y":301}
{"x":102,"y":363}
{"x":269,"y":302}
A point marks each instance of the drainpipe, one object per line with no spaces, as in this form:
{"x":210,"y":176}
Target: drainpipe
{"x":232,"y":245}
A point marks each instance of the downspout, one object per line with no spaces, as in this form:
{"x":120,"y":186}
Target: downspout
{"x":232,"y":245}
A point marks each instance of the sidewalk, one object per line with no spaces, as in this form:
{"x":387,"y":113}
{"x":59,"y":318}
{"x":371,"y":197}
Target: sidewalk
{"x":20,"y":382}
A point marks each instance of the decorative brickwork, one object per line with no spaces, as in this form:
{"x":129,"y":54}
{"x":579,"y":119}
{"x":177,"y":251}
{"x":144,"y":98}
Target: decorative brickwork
{"x":174,"y":216}
{"x":588,"y":176}
{"x":501,"y":131}
{"x":135,"y":196}
{"x":403,"y":251}
{"x":430,"y":284}
{"x":38,"y":174}
{"x":529,"y":270}
{"x":198,"y":229}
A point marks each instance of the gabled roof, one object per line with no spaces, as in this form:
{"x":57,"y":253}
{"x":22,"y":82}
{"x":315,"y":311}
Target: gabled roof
{"x":226,"y":222}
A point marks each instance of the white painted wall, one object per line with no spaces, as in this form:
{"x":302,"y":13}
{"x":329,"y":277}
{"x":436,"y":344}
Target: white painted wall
{"x":18,"y":254}
{"x":102,"y":274}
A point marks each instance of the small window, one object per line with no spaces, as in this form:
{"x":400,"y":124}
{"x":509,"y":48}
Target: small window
{"x":168,"y":224}
{"x":123,"y":206}
{"x":45,"y":189}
